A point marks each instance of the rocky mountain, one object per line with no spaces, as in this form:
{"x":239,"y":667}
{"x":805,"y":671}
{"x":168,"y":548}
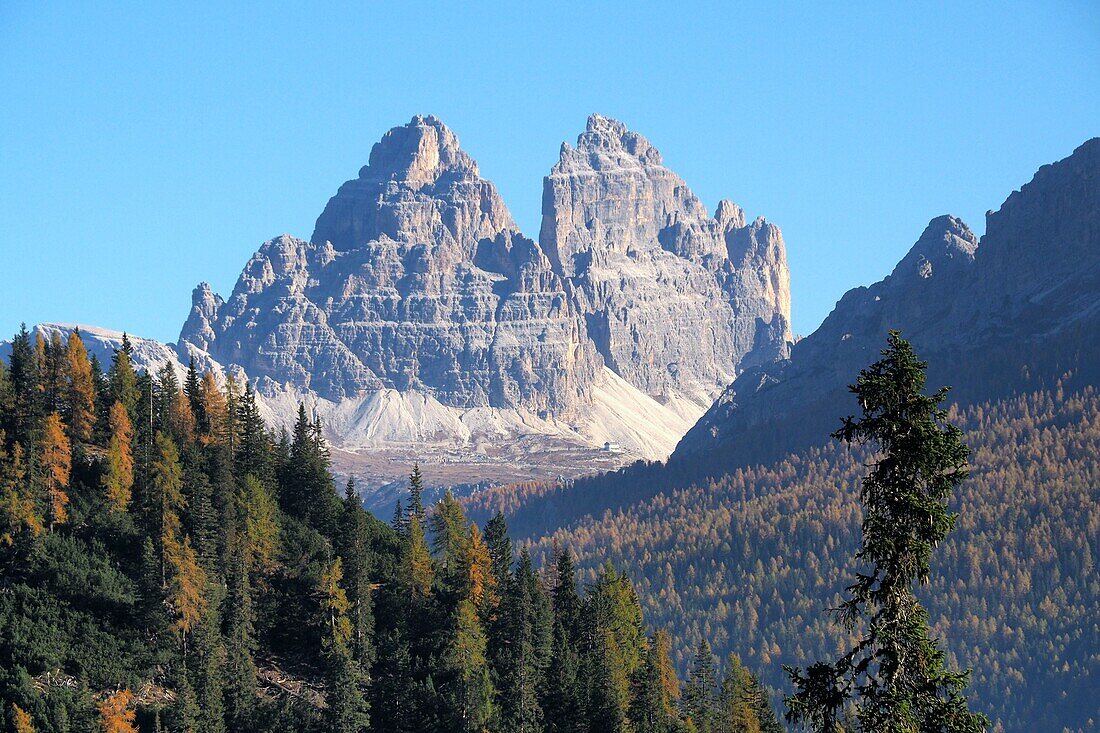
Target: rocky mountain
{"x":418,"y":313}
{"x":675,"y":301}
{"x":1014,"y":311}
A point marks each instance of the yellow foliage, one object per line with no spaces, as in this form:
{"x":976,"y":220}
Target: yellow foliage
{"x":57,"y":464}
{"x":118,"y":479}
{"x":81,"y":396}
{"x":22,"y":720}
{"x":115,"y":713}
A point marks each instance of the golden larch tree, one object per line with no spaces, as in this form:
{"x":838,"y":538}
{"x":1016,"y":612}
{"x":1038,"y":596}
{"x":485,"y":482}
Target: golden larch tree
{"x":115,"y":713}
{"x":18,"y":509}
{"x":81,"y":389}
{"x":216,"y":411}
{"x":56,"y":466}
{"x":118,"y":479}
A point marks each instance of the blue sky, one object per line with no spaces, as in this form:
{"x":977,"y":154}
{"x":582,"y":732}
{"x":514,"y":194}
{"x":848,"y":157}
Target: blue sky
{"x":143,"y":149}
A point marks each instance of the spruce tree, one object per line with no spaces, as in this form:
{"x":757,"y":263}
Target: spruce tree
{"x":527,"y":639}
{"x":353,"y":547}
{"x":122,"y":380}
{"x":23,"y":420}
{"x":700,"y":700}
{"x":654,"y":695}
{"x":895,"y":678}
{"x":416,"y":496}
{"x":240,"y":636}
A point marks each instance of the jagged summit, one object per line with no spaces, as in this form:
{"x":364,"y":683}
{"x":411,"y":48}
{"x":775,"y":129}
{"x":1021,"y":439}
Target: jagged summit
{"x":419,"y":187}
{"x":946,"y":245}
{"x":418,"y":153}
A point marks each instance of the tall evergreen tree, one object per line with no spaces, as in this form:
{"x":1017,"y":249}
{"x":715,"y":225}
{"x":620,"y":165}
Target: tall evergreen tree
{"x":416,"y":496}
{"x":655,"y":690}
{"x":527,"y":638}
{"x":896,"y":677}
{"x":354,"y":548}
{"x":240,"y":636}
{"x":346,"y":711}
{"x":122,"y":380}
{"x":23,"y":421}
{"x":307,"y":492}
{"x":700,"y":700}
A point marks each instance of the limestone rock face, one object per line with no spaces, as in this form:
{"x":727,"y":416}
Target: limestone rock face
{"x":676,"y":301}
{"x":417,"y":285}
{"x":416,"y":278}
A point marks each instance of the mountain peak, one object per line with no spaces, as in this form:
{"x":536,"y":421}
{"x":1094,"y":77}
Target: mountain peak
{"x":607,"y":143}
{"x":946,"y":242}
{"x":418,"y":152}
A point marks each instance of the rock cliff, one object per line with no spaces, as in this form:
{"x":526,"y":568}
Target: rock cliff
{"x":676,"y":301}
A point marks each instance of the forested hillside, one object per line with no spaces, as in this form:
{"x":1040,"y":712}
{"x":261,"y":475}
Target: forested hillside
{"x":169,"y":564}
{"x":750,"y":560}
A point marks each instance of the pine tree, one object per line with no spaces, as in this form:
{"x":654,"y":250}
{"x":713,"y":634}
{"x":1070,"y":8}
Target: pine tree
{"x":563,"y":700}
{"x":80,"y":402}
{"x":895,"y":678}
{"x":56,"y":469}
{"x":193,"y":391}
{"x":209,"y":672}
{"x":253,"y":454}
{"x":307,"y":491}
{"x":450,"y":541}
{"x":614,"y":646}
{"x":52,"y":367}
{"x":527,"y":638}
{"x":23,"y":420}
{"x":118,"y":476}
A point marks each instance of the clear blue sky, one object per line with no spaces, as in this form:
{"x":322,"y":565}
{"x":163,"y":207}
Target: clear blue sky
{"x":145,"y":149}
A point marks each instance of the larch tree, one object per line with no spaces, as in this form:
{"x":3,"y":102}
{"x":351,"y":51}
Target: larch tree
{"x":21,"y":720}
{"x":19,"y":512}
{"x":122,"y":379}
{"x":80,"y":403}
{"x":116,"y":713}
{"x":895,"y":678}
{"x":214,"y":427}
{"x":346,"y":709}
{"x":56,"y":468}
{"x":118,"y":476}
